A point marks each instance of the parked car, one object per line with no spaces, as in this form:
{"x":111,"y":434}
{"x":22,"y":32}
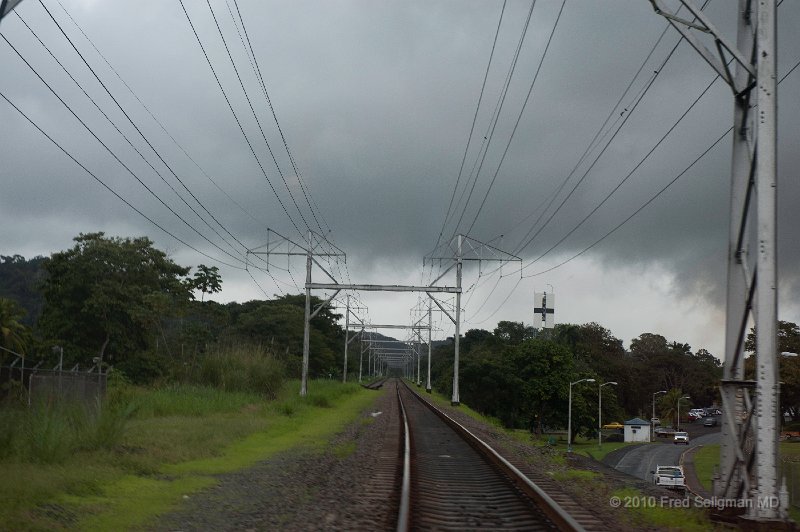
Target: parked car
{"x":670,"y":477}
{"x":681,"y":437}
{"x":655,"y":421}
{"x":710,"y":422}
{"x":614,"y":425}
{"x":664,"y":432}
{"x":695,"y":413}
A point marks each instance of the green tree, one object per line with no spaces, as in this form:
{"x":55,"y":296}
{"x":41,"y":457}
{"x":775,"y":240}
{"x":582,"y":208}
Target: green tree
{"x":19,"y":280}
{"x":207,"y":280}
{"x":513,"y":332}
{"x":788,"y":338}
{"x":279,"y":323}
{"x":14,"y":336}
{"x":669,"y":408}
{"x":648,"y":345}
{"x":103,"y":296}
{"x":788,"y":341}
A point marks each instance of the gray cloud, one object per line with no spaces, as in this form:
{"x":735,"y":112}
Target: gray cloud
{"x":376,"y":100}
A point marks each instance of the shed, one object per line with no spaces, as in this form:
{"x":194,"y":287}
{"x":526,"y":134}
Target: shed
{"x":637,"y":430}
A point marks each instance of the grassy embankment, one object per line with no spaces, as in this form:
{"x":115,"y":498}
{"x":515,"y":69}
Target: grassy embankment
{"x":637,"y":510}
{"x":57,"y":472}
{"x":706,"y":460}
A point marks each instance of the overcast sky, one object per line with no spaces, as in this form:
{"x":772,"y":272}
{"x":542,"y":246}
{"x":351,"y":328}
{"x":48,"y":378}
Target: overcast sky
{"x":376,"y":102}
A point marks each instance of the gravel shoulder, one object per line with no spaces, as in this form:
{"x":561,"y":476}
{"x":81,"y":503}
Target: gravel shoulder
{"x":333,"y":488}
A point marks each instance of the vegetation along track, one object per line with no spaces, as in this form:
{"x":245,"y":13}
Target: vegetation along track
{"x":454,"y":481}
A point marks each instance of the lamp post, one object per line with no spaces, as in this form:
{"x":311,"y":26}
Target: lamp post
{"x":569,"y":414}
{"x":652,"y":426}
{"x":679,"y":410}
{"x":600,"y":413}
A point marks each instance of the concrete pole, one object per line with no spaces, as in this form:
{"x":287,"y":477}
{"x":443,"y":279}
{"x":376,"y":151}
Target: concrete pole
{"x":569,"y":420}
{"x":419,"y":360}
{"x":306,"y":331}
{"x":346,"y":338}
{"x":360,"y":354}
{"x":430,"y":322}
{"x":652,"y":427}
{"x":456,"y":400}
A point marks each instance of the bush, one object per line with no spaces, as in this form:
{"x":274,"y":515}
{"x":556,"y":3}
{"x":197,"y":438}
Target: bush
{"x":242,"y":369}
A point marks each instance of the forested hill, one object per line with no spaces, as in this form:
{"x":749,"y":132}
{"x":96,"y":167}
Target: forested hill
{"x":19,"y":281}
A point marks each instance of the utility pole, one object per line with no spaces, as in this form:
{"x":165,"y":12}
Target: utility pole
{"x":430,"y":328}
{"x":749,"y":447}
{"x":289,"y":248}
{"x":346,"y":332}
{"x":476,"y":251}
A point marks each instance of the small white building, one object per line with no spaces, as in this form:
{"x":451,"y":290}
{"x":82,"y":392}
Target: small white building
{"x":637,"y":430}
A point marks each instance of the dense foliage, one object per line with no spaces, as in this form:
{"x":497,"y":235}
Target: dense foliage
{"x":122,"y":302}
{"x":522,"y":376}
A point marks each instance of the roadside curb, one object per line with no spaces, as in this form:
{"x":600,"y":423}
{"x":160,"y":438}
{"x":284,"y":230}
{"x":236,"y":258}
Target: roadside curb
{"x":690,"y":474}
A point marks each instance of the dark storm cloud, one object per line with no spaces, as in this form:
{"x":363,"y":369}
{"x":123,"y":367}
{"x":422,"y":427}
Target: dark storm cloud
{"x":376,"y":100}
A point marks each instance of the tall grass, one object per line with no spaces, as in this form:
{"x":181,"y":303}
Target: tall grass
{"x":242,"y":368}
{"x":48,"y":433}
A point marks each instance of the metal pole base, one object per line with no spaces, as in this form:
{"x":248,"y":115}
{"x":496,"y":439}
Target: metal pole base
{"x":455,"y":403}
{"x":428,"y":390}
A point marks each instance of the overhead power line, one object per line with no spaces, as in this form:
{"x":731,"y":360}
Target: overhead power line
{"x":155,"y":119}
{"x":236,"y":118}
{"x":652,"y":199}
{"x":112,"y":153}
{"x":107,"y":187}
{"x":130,"y":143}
{"x":472,"y":127}
{"x":519,"y":116}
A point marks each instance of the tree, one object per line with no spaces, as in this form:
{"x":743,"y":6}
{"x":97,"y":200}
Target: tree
{"x":101,"y":296}
{"x":513,"y":332}
{"x":14,"y":336}
{"x":207,"y":280}
{"x":788,"y":338}
{"x":648,"y":345}
{"x":19,"y":280}
{"x":669,"y":408}
{"x":789,"y":371}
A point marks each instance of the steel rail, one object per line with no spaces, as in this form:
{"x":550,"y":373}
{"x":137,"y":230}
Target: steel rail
{"x":403,"y":520}
{"x":560,"y":517}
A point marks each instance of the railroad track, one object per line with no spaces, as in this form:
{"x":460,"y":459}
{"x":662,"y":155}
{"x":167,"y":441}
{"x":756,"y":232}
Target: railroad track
{"x":454,"y":481}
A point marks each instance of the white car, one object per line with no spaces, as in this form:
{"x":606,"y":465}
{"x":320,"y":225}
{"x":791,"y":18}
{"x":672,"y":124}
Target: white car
{"x":681,"y":437}
{"x":670,"y":477}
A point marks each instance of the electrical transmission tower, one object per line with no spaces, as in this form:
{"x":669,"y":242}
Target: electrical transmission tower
{"x":749,"y":450}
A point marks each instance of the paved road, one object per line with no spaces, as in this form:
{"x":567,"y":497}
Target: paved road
{"x":638,"y":461}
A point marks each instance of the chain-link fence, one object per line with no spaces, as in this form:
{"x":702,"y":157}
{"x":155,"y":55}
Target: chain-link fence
{"x":32,"y":384}
{"x":66,"y":386}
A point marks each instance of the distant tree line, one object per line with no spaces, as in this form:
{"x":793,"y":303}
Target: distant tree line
{"x":123,"y":303}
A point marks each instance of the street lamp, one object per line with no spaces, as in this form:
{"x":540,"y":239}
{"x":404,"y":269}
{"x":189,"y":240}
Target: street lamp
{"x":652,"y":426}
{"x":600,"y":413}
{"x":569,"y":415}
{"x":679,"y":410}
